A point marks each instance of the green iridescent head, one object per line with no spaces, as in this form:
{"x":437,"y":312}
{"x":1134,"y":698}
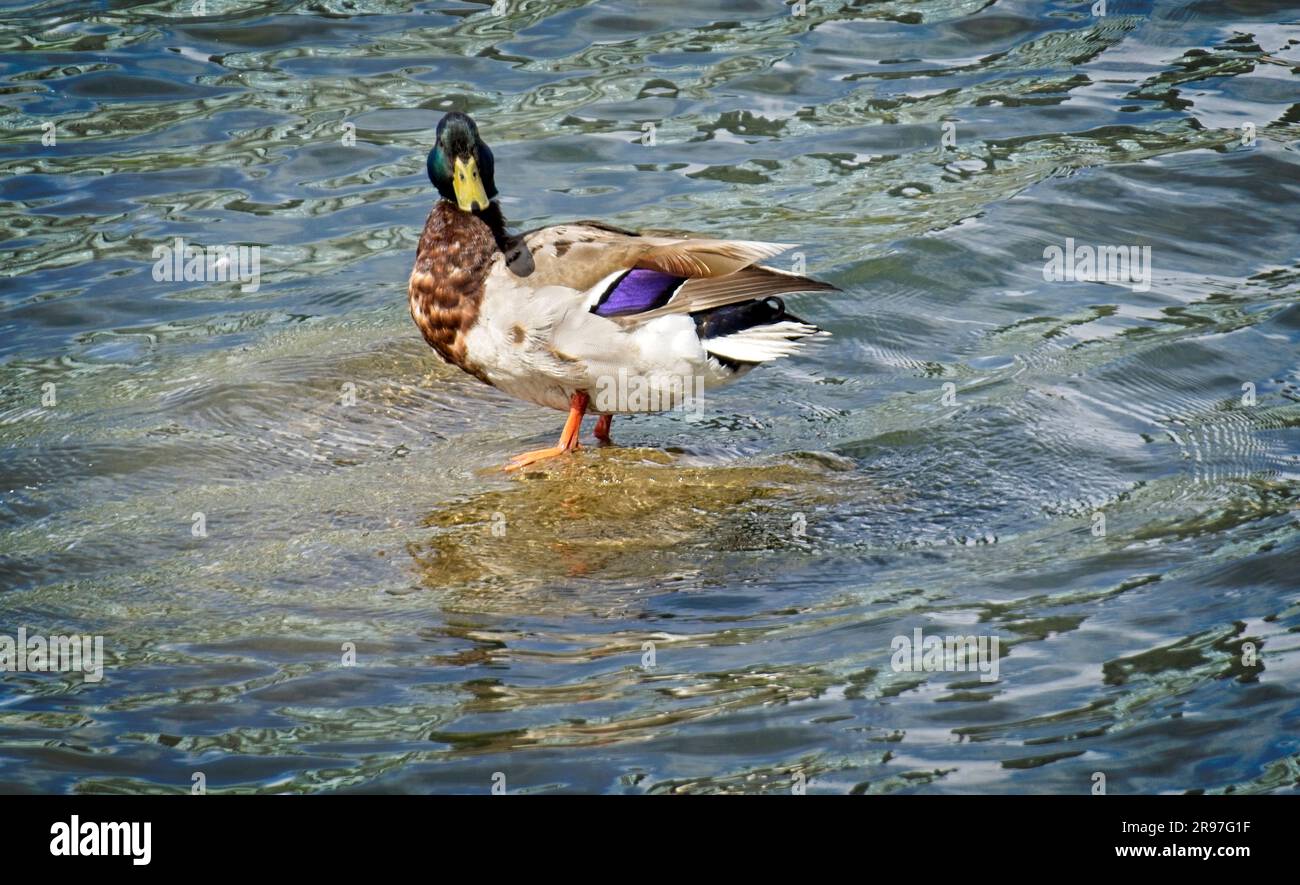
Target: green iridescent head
{"x":460,"y":165}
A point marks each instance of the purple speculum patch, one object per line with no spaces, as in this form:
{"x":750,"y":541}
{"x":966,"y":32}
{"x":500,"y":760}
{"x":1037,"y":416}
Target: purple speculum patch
{"x":638,"y":291}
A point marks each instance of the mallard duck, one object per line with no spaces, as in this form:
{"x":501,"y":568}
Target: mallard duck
{"x":564,"y":316}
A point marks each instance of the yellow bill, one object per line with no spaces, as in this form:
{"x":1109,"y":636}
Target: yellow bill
{"x":468,"y":186}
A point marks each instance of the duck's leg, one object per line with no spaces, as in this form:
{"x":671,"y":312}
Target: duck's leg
{"x":568,"y":437}
{"x":602,"y":427}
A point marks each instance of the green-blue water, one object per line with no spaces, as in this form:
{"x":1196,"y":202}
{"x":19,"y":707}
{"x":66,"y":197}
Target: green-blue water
{"x":940,"y":463}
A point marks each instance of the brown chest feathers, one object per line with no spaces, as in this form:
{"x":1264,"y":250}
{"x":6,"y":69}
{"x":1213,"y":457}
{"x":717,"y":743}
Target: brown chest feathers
{"x":446,"y":286}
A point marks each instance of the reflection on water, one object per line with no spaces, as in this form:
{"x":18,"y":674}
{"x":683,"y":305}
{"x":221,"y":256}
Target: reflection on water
{"x":1100,"y":475}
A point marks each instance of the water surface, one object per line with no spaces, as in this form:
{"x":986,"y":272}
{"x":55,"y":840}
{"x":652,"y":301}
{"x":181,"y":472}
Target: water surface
{"x":940,"y":463}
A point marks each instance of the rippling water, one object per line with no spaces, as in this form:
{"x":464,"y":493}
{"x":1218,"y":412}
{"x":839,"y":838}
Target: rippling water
{"x":1102,"y":476}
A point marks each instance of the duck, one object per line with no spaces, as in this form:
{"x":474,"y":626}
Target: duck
{"x":585,"y":317}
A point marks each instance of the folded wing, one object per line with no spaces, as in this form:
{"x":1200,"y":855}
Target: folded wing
{"x":645,"y":277}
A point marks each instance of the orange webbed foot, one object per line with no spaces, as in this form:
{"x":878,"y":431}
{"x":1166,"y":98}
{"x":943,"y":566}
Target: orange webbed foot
{"x":527,"y":459}
{"x":568,"y":438}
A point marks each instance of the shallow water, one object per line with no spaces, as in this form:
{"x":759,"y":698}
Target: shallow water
{"x":769,"y":548}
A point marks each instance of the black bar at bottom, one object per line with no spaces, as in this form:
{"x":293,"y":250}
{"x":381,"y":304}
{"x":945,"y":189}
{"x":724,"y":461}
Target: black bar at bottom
{"x":329,"y":834}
